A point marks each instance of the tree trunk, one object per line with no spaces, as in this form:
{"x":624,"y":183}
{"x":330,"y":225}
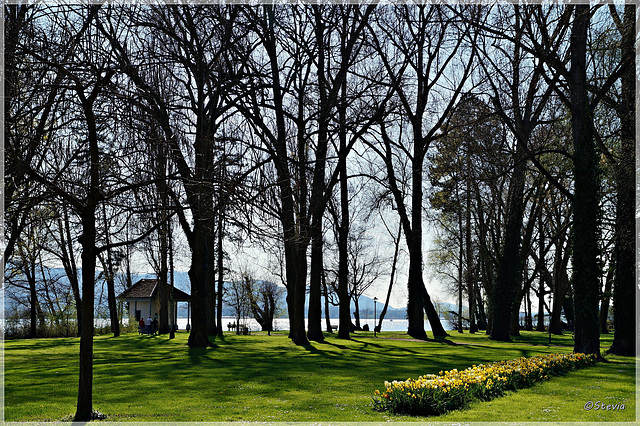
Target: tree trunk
{"x":163,"y":294}
{"x":270,"y":309}
{"x":109,"y":278}
{"x":460,"y":269}
{"x":89,"y":254}
{"x":469,"y":256}
{"x":540,"y":325}
{"x":415,"y":304}
{"x":33,"y":301}
{"x":624,"y":290}
{"x":294,"y":247}
{"x":508,"y":273}
{"x":569,"y":313}
{"x":541,"y":243}
{"x":586,"y":272}
{"x":482,"y":317}
{"x":514,"y":329}
{"x":396,"y":249}
{"x":200,"y":273}
{"x":172,"y":314}
{"x":212,"y":328}
{"x":163,"y":233}
{"x":69,"y":263}
{"x":318,"y":187}
{"x":298,"y":273}
{"x":200,"y":194}
{"x":556,"y":309}
{"x":315,"y":285}
{"x":220,"y":268}
{"x":163,"y":285}
{"x":356,"y":313}
{"x":85,"y":382}
{"x":344,"y":323}
{"x":111,"y":295}
{"x":606,"y":298}
{"x":529,"y":317}
{"x":432,"y":315}
{"x":326,"y":303}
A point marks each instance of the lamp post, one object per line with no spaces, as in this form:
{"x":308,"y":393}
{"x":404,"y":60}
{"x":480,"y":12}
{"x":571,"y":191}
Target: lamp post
{"x":375,"y":301}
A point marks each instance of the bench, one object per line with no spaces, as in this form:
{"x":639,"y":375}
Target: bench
{"x":147,"y":330}
{"x":243,"y":329}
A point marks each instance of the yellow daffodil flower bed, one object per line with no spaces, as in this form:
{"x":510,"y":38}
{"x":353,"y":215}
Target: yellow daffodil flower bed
{"x":436,"y":394}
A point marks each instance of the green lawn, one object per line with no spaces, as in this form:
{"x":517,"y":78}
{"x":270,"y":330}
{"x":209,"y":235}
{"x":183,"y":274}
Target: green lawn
{"x":267,"y":378}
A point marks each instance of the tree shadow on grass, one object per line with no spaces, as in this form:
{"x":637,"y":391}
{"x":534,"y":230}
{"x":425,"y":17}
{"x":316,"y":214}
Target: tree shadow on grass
{"x":335,"y":345}
{"x":217,"y":338}
{"x":41,"y":343}
{"x":367,"y":344}
{"x":445,"y":340}
{"x":197,"y":354}
{"x":312,"y":349}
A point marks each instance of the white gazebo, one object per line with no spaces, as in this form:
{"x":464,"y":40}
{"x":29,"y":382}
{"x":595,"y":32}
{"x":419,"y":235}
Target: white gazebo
{"x":144,"y":301}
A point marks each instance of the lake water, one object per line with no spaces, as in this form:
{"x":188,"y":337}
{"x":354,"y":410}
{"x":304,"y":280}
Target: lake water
{"x":283,"y":324}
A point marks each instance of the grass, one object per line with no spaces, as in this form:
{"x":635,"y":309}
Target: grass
{"x":267,"y":378}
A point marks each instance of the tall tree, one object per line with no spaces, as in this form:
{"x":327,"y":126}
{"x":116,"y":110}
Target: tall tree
{"x":72,"y":168}
{"x":521,"y":110}
{"x":193,"y":44}
{"x":87,"y":93}
{"x":548,"y":44}
{"x":425,"y":43}
{"x":624,"y":339}
{"x":586,"y":272}
{"x":282,"y":96}
{"x":332,"y":80}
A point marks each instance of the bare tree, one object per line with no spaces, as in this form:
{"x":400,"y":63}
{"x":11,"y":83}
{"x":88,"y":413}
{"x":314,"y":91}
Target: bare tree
{"x":521,"y":110}
{"x":193,"y":44}
{"x":365,"y":268}
{"x":264,"y":298}
{"x":71,"y":167}
{"x":426,"y":42}
{"x":624,"y":290}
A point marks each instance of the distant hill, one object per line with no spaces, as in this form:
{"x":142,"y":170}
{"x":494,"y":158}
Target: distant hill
{"x":366,"y":306}
{"x":182,"y":282}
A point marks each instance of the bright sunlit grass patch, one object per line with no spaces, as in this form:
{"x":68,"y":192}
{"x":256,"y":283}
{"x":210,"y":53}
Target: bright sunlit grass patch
{"x":260,"y":378}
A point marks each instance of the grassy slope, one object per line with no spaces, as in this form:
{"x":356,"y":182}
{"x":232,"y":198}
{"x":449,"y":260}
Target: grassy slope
{"x":262,"y":378}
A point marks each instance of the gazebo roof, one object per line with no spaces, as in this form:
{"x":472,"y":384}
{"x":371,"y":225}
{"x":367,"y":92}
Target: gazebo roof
{"x":148,"y":289}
